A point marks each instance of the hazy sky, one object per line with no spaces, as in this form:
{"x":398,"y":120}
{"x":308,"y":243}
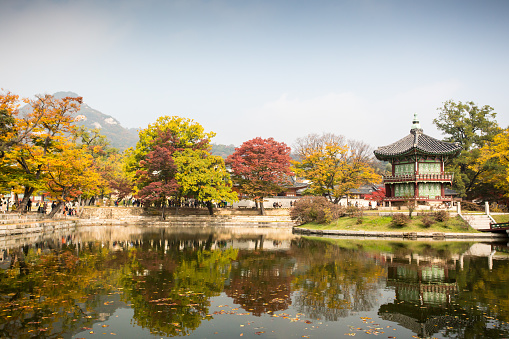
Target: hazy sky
{"x":280,"y":69}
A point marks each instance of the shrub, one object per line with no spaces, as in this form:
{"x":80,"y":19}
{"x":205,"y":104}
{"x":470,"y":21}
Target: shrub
{"x":352,"y":211}
{"x":315,"y":209}
{"x":400,"y":219}
{"x":427,"y":220}
{"x":470,"y":206}
{"x":441,"y":216}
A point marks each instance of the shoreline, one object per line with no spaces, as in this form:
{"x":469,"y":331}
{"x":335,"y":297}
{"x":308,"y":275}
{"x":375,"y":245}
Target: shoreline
{"x":402,"y":234}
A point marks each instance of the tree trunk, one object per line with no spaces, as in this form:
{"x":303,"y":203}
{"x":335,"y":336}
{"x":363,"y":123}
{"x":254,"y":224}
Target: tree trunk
{"x":26,"y":196}
{"x":210,"y":208}
{"x":164,"y":210}
{"x":262,"y":209}
{"x":56,"y":210}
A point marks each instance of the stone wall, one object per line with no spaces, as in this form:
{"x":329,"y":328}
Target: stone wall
{"x":122,"y":213}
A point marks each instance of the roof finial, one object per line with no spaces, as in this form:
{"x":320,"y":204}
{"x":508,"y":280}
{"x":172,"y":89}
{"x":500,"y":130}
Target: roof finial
{"x":416,"y":126}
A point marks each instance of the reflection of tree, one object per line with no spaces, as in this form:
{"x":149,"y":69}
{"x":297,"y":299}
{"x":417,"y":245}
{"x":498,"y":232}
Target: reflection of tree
{"x":170,"y":289}
{"x":49,"y":294}
{"x":484,"y":298}
{"x":260,"y":281}
{"x":334,"y":281}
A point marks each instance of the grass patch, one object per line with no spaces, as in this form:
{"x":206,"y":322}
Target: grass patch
{"x":384,"y":224}
{"x":501,"y":217}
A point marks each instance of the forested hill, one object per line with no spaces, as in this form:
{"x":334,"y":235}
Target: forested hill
{"x":118,"y":136}
{"x":222,"y":150}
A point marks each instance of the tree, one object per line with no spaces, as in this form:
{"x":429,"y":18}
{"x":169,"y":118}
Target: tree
{"x":204,"y":177}
{"x":36,"y":136}
{"x":496,"y":151}
{"x":332,"y":165}
{"x":156,"y":178}
{"x":471,"y":126}
{"x":108,"y":162}
{"x":377,"y":195}
{"x":70,"y":173}
{"x":261,"y":168}
{"x":466,"y":123}
{"x":159,"y":145}
{"x":8,"y":113}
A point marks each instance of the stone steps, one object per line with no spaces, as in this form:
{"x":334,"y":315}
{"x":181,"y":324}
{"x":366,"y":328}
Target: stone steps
{"x":477,"y":221}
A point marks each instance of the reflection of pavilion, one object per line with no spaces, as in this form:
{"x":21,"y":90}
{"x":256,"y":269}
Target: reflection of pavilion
{"x":424,"y":290}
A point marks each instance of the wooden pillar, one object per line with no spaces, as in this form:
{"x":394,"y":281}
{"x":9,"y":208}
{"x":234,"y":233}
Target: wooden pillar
{"x":442,"y":190}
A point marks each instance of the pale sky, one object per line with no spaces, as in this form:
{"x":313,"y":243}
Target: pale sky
{"x":245,"y":68}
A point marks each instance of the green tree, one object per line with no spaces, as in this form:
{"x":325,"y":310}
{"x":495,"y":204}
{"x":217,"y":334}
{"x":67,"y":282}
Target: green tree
{"x":470,"y":126}
{"x":204,"y":177}
{"x":197,"y":173}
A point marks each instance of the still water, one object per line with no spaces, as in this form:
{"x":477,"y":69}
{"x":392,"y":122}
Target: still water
{"x":139,"y":282}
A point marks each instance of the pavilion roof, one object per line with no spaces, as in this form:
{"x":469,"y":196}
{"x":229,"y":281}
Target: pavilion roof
{"x":417,"y":142}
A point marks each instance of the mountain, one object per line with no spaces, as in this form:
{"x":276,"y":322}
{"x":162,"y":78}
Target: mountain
{"x":118,"y":136}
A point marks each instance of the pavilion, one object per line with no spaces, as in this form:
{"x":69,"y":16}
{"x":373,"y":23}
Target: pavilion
{"x":417,"y":168}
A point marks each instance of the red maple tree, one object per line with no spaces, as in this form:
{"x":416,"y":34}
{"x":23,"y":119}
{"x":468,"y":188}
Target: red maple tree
{"x":377,"y":195}
{"x":261,"y":168}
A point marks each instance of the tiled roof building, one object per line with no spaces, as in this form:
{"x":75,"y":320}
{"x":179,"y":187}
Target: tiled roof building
{"x":417,"y":167}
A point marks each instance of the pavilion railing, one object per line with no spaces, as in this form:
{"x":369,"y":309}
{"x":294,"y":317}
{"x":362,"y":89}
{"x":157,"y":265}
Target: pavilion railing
{"x":425,"y":197}
{"x":445,"y":177}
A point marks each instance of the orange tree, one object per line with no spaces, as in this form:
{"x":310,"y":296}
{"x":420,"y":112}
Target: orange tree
{"x":34,"y":137}
{"x":261,"y":168}
{"x":8,"y":113}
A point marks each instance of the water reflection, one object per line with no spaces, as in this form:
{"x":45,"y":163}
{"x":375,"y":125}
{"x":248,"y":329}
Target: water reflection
{"x":69,"y":283}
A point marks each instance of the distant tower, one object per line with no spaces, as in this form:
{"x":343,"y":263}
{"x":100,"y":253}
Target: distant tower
{"x":417,"y":167}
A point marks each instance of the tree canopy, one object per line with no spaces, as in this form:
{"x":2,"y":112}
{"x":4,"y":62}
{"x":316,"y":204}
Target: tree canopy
{"x":471,"y":126}
{"x":332,"y":165}
{"x":173,"y":160}
{"x":496,"y":154}
{"x":261,"y":168}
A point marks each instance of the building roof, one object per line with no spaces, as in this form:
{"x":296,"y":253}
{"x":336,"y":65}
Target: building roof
{"x":417,"y":143}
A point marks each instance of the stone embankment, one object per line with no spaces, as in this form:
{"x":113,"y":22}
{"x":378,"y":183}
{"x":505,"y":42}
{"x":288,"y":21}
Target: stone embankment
{"x":402,"y":235}
{"x":16,"y":224}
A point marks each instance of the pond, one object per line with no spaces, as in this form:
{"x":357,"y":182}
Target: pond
{"x":142,"y":282}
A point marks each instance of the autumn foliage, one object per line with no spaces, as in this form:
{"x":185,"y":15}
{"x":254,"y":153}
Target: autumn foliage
{"x":261,"y":168}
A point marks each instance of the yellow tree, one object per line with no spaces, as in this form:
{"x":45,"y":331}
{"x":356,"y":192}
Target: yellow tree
{"x":70,"y":173}
{"x":108,"y":161}
{"x":496,"y":154}
{"x":37,"y":134}
{"x":332,"y":165}
{"x":8,"y":112}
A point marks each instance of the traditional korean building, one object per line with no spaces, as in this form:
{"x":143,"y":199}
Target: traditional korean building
{"x":417,"y":167}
